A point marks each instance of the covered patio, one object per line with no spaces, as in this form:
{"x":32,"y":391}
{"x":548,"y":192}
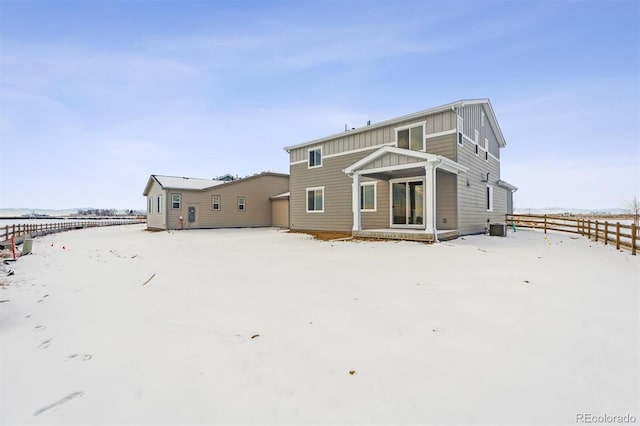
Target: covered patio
{"x":412,"y":178}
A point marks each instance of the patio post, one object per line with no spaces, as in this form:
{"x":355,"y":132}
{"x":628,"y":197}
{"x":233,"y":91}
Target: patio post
{"x":430,"y":199}
{"x":355,"y":201}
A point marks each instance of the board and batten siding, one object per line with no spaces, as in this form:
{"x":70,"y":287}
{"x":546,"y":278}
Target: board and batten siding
{"x":472,"y":198}
{"x":156,"y":220}
{"x":364,"y":138}
{"x":472,"y":121}
{"x":256,"y":192}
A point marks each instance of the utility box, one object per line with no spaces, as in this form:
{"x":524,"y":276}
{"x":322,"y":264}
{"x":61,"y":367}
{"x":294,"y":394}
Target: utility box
{"x":498,"y":230}
{"x":27,"y":246}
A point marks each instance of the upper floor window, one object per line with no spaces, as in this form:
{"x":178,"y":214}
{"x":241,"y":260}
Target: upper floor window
{"x":315,"y":157}
{"x":460,"y":131}
{"x":368,"y":197}
{"x":241,"y":204}
{"x":411,"y":137}
{"x":315,"y":199}
{"x":176,"y":201}
{"x":215,"y":202}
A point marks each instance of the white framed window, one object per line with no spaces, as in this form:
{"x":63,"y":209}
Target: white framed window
{"x":315,"y":199}
{"x":176,"y":201}
{"x":482,"y":118}
{"x":215,"y":202}
{"x":460,"y":131}
{"x":315,"y":157}
{"x":489,"y":198}
{"x":150,"y":205}
{"x":242,"y":204}
{"x":368,"y":196}
{"x":159,"y":203}
{"x":411,"y":136}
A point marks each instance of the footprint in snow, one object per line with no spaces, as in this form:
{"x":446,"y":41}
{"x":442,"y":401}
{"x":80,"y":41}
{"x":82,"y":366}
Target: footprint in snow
{"x":40,"y":327}
{"x":45,"y":344}
{"x":81,"y":357}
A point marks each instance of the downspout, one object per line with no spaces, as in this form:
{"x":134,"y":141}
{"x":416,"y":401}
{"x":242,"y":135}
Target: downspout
{"x":435,"y":207}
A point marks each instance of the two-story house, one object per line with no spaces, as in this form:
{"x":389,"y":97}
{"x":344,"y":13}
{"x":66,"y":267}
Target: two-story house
{"x":429,"y":175}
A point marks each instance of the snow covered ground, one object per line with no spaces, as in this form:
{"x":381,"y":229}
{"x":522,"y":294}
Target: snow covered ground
{"x":257,"y":326}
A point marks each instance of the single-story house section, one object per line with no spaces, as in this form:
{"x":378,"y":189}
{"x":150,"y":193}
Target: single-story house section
{"x":189,"y":203}
{"x":429,"y":175}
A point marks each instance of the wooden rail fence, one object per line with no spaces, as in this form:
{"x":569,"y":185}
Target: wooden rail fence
{"x":625,"y":236}
{"x":20,"y":231}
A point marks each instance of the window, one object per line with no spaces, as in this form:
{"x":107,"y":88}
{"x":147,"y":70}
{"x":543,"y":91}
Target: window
{"x":215,"y":202}
{"x":315,"y":200}
{"x":159,"y":202}
{"x":150,"y":206}
{"x":368,"y":197}
{"x":486,"y":155}
{"x":460,"y":131}
{"x":176,"y":201}
{"x":241,"y":204}
{"x":315,"y":157}
{"x":489,"y":198}
{"x":411,"y":137}
{"x":477,"y":151}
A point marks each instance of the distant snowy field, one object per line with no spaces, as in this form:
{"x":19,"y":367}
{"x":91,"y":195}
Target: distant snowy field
{"x":256,"y":326}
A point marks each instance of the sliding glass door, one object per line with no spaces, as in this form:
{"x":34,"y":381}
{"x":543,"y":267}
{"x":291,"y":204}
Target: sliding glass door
{"x":407,"y":203}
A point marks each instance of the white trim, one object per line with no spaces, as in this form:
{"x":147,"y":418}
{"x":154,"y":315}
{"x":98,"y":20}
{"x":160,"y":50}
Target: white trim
{"x":443,"y":162}
{"x":490,"y":195}
{"x":219,"y":203}
{"x":486,"y":144}
{"x":179,"y":201}
{"x":306,"y":199}
{"x":422,"y":124}
{"x":338,"y":154}
{"x":375,"y":196}
{"x":443,"y":133}
{"x":243,"y":204}
{"x":315,"y":148}
{"x":494,"y":157}
{"x":482,"y":118}
{"x":418,"y":178}
{"x":460,"y":129}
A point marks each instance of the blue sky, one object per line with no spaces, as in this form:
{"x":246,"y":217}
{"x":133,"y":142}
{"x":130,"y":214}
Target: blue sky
{"x":97,"y":95}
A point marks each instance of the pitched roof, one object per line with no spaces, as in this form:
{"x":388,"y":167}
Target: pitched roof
{"x":197,"y":184}
{"x":450,"y":106}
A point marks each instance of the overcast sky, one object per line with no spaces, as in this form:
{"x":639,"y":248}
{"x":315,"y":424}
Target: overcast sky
{"x":97,"y":95}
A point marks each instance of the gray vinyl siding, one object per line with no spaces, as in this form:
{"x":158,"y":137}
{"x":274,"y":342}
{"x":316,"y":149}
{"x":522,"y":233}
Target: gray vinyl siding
{"x":155,"y":220}
{"x":443,"y":145}
{"x":472,"y":120}
{"x":337,"y":215}
{"x":472,"y":211}
{"x":258,"y":210}
{"x":446,"y":201}
{"x":379,"y":218}
{"x":377,"y":136}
